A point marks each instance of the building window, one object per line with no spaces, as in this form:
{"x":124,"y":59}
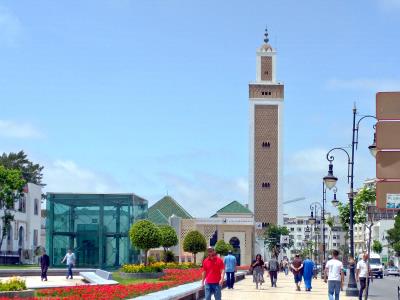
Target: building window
{"x":22,"y":204}
{"x":291,"y":228}
{"x":266,"y":144}
{"x":36,"y":207}
{"x":35,"y":238}
{"x":266,"y":185}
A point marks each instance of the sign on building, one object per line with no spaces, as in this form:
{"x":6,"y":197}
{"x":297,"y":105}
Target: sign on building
{"x":258,"y":225}
{"x":284,"y":239}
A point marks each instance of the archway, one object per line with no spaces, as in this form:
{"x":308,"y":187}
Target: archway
{"x":235,"y":243}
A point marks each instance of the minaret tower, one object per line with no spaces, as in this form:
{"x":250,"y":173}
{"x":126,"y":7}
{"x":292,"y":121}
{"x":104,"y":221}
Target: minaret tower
{"x":266,"y":130}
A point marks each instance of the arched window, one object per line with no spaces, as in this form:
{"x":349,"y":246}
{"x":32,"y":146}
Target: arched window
{"x":21,"y":237}
{"x":36,"y":207}
{"x":9,"y":236}
{"x":22,"y":204}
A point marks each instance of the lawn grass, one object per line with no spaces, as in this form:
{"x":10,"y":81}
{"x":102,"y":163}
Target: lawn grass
{"x":117,"y":277}
{"x":8,"y":267}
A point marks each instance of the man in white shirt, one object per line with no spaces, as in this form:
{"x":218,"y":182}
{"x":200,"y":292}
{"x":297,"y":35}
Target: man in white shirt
{"x":362,"y":274}
{"x":334,"y":276}
{"x":70,"y":258}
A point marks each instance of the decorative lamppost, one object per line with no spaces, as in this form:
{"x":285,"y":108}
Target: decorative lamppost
{"x":330,"y":182}
{"x":313,"y":220}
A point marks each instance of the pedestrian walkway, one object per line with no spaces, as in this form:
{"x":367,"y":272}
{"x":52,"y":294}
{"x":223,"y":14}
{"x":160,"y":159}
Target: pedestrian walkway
{"x":285,"y":290}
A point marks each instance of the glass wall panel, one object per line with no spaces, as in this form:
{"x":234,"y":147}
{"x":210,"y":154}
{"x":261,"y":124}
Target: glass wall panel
{"x":61,"y":218}
{"x":60,"y":247}
{"x":110,"y":218}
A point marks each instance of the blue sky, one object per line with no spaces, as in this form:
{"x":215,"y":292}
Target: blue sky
{"x":152,"y":96}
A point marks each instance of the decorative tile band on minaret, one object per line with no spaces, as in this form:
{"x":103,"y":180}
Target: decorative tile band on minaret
{"x":266,"y":96}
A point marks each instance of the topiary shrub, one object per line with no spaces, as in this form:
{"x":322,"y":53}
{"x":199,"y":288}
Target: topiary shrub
{"x":194,"y":243}
{"x":145,"y":235}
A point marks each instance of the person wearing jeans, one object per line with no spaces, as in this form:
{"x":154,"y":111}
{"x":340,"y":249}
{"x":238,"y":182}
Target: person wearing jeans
{"x":70,"y":259}
{"x":230,"y":269}
{"x":334,"y":276}
{"x":212,"y":276}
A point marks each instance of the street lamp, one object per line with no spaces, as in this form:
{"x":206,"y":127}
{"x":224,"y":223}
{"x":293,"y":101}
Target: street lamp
{"x":313,"y":220}
{"x":330,"y":181}
{"x":335,"y":202}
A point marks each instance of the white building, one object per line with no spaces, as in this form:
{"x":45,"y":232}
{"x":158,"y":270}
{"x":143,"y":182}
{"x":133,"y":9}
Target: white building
{"x":379,"y":233}
{"x":24,"y":234}
{"x":300,"y":231}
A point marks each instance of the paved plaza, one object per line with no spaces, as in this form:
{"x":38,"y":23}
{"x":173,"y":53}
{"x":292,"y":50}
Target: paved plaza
{"x":34,"y":282}
{"x":285,"y":290}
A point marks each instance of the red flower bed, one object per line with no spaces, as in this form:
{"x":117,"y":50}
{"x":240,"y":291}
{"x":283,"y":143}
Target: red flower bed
{"x":171,"y":278}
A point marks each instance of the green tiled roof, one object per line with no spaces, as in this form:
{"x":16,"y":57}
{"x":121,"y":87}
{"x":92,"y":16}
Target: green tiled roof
{"x":234,"y":208}
{"x":157,"y":217}
{"x":167,"y":207}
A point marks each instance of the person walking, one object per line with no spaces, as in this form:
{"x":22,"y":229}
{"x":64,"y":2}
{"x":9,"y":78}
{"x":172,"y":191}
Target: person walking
{"x":212,"y":276}
{"x":362,"y":275}
{"x":285,"y":266}
{"x":44,"y":261}
{"x":273,"y":268}
{"x":230,"y":269}
{"x":257,"y":266}
{"x":70,"y":259}
{"x":308,"y":270}
{"x":297,"y":269}
{"x":334,"y":276}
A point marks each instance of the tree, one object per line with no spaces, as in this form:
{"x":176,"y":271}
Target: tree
{"x":194,"y":243}
{"x":145,"y":235}
{"x":393,"y":237}
{"x":273,"y":236}
{"x":377,"y":247}
{"x":223,"y":248}
{"x":30,"y":172}
{"x":365,"y":197}
{"x":11,"y":187}
{"x":168,"y":238}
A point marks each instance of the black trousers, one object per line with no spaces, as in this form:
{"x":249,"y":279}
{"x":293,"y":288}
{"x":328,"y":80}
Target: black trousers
{"x":44,"y":272}
{"x":363,"y":285}
{"x":274,"y":277}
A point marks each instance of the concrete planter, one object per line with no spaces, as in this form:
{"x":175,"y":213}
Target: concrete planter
{"x":18,"y":294}
{"x":153,"y":275}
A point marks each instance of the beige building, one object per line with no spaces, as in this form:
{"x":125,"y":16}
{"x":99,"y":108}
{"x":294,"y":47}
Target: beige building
{"x":234,"y":223}
{"x":266,"y":96}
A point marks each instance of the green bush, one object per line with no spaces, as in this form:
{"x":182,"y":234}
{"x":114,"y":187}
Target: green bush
{"x":152,"y":260}
{"x":13,"y":284}
{"x":156,"y":267}
{"x":194,"y":242}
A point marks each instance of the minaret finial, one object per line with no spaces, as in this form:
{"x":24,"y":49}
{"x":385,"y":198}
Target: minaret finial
{"x":266,"y":39}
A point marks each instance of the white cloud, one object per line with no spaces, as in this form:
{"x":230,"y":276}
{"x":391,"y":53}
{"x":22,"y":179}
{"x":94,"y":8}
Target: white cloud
{"x":365,"y":84}
{"x":67,"y":176}
{"x":203,"y":194}
{"x":11,"y":129}
{"x":10,"y":28}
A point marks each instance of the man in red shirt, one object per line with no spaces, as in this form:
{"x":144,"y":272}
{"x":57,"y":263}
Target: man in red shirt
{"x":213,"y":275}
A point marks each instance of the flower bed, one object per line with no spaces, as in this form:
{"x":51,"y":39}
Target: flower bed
{"x":172,"y":277}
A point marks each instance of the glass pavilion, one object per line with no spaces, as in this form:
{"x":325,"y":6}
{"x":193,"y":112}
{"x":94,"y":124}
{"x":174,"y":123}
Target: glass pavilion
{"x":94,"y":226}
